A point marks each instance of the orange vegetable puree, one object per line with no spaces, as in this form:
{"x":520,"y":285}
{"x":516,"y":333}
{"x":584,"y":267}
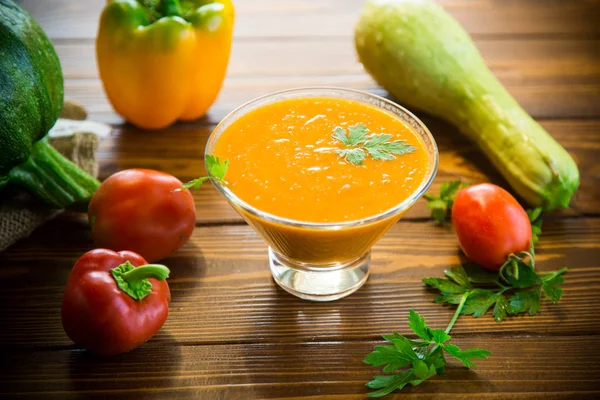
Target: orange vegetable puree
{"x":283,"y":161}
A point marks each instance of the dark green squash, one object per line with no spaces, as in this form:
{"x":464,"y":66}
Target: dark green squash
{"x":31,"y":97}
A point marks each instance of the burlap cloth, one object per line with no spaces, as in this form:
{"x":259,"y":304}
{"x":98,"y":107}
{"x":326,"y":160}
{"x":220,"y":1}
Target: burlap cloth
{"x":20,"y":212}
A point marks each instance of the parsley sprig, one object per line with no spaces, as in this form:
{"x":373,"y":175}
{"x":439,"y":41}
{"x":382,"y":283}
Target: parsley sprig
{"x":517,"y":288}
{"x":486,"y":289}
{"x":441,"y":206}
{"x":422,"y":358}
{"x":216,"y":171}
{"x":361,"y":144}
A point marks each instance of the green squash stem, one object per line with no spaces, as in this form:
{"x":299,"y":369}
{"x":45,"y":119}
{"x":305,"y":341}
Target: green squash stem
{"x":52,"y":178}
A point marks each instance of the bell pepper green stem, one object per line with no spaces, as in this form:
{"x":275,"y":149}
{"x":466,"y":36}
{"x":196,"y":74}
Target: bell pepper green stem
{"x":171,"y":8}
{"x":134,"y":281}
{"x":156,"y":271}
{"x":52,"y":178}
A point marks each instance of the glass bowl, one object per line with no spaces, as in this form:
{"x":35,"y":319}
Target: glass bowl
{"x":324,"y":261}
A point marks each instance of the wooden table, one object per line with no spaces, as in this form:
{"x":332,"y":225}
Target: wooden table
{"x":232,"y":333}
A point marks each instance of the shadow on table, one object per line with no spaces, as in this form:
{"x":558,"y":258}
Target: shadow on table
{"x":155,"y":364}
{"x":188,"y":267}
{"x":309,"y":346}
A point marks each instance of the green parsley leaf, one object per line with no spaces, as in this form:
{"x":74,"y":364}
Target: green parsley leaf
{"x":340,"y":134}
{"x":401,"y":354}
{"x":502,"y":308}
{"x":403,"y":346}
{"x":449,"y":189}
{"x":378,"y":146}
{"x":479,"y":302}
{"x":381,"y":149}
{"x":354,"y":156}
{"x":441,"y":206}
{"x":388,"y":383}
{"x":485,"y":290}
{"x":550,"y":284}
{"x":426,"y":362}
{"x":377,"y":140}
{"x":459,"y":275}
{"x":479,"y":275}
{"x":552,"y":292}
{"x":216,"y":170}
{"x":381,"y":381}
{"x":436,"y":358}
{"x":529,"y":300}
{"x":444,"y":285}
{"x":358,"y":134}
{"x":399,"y":147}
{"x":422,"y":371}
{"x":466,"y":356}
{"x":418,"y":326}
{"x":439,"y":209}
{"x":440,"y":336}
{"x":215,"y":167}
{"x":390,"y":357}
{"x":396,"y":336}
{"x":450,"y":298}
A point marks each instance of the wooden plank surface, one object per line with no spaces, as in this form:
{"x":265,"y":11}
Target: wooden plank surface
{"x":232,"y":333}
{"x":221,"y":281}
{"x":520,"y":368}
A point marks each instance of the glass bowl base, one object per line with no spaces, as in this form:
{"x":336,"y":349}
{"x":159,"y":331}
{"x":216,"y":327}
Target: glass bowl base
{"x":318,"y":283}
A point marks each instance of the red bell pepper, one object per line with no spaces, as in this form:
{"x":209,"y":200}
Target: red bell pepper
{"x":114,"y":302}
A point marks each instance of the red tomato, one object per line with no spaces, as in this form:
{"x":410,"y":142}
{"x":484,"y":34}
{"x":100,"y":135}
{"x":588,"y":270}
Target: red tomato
{"x":137,"y":210}
{"x":100,"y":316}
{"x":490,"y":225}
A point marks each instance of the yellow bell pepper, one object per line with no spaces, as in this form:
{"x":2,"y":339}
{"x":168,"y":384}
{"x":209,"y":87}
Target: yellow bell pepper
{"x":162,"y":61}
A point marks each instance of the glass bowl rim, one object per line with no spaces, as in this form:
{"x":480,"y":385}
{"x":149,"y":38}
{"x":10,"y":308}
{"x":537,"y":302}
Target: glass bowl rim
{"x":400,"y":207}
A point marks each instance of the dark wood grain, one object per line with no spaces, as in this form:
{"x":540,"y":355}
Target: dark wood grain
{"x":220,"y":280}
{"x":231,"y":332}
{"x":520,"y":368}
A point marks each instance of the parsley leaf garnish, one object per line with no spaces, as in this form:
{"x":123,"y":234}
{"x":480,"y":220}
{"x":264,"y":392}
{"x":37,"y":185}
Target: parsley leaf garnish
{"x":423,"y":359}
{"x":441,"y":206}
{"x":361,"y":144}
{"x":357,"y":134}
{"x":529,"y":300}
{"x":354,"y":156}
{"x":216,"y":171}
